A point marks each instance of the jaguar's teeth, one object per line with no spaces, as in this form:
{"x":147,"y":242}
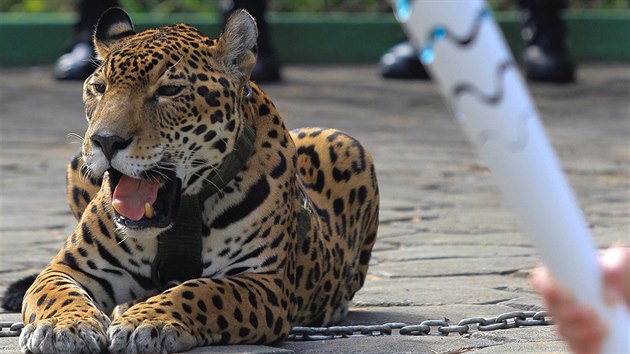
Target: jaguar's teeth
{"x":148,"y":210}
{"x":116,"y":205}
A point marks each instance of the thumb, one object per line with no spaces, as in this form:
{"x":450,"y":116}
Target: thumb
{"x":616,"y":271}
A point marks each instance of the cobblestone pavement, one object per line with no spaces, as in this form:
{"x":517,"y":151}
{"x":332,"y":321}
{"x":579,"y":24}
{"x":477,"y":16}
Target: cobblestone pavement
{"x":448,"y":246}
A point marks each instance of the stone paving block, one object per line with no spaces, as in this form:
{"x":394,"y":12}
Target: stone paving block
{"x":528,"y":347}
{"x":531,"y":334}
{"x":454,"y":252}
{"x":416,"y":238}
{"x":523,"y":340}
{"x":390,"y":344}
{"x":485,"y":289}
{"x":237,"y":349}
{"x":459,"y":267}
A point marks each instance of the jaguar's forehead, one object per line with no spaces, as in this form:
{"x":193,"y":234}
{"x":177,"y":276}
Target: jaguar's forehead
{"x":147,"y":54}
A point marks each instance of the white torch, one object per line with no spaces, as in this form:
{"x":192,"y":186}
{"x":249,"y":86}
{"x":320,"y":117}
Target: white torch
{"x":462,"y":48}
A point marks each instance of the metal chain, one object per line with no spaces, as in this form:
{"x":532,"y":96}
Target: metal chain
{"x":10,"y":329}
{"x":442,"y":327}
{"x":430,"y":327}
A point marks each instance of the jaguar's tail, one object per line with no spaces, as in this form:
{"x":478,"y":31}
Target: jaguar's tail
{"x":12,"y":298}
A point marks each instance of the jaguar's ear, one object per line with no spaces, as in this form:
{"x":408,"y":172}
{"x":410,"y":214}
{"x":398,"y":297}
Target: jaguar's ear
{"x":236,"y":47}
{"x":113,"y":25}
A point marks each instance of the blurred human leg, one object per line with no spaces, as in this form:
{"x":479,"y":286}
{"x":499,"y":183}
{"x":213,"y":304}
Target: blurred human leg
{"x":79,"y":61}
{"x":546,"y":57}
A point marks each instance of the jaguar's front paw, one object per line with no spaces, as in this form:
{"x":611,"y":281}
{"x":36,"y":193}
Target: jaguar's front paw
{"x":52,"y":336}
{"x":127,"y":335}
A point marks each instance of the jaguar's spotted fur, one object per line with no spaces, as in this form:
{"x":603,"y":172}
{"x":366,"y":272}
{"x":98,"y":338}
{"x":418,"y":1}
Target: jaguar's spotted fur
{"x":168,"y":105}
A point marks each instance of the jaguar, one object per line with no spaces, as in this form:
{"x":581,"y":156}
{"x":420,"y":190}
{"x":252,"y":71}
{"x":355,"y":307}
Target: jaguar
{"x":197,"y":207}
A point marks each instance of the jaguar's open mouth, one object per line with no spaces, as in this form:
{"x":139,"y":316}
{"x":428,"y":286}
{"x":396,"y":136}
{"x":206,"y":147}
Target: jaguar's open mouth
{"x":149,"y":202}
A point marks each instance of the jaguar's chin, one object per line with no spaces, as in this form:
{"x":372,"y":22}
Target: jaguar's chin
{"x":150,"y":202}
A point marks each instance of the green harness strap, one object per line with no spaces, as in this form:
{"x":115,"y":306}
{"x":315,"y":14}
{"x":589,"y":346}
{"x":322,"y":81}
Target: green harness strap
{"x":179,"y":248}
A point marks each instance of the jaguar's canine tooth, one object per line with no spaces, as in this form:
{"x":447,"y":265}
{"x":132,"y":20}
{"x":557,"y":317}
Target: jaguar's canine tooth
{"x":116,"y":205}
{"x":148,"y":211}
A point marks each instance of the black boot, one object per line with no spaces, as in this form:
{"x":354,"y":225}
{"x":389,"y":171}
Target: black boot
{"x":401,"y":62}
{"x":267,"y":68}
{"x":545,"y":57}
{"x":79,"y":61}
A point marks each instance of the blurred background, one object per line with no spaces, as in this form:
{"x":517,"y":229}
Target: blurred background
{"x":168,"y":6}
{"x":37,"y":32}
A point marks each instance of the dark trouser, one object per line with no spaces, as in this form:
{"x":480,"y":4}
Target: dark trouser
{"x":256,"y":8}
{"x":543,"y":31}
{"x":542,"y":24}
{"x":89,"y":13}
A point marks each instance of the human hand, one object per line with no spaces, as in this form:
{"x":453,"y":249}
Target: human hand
{"x":578,"y":324}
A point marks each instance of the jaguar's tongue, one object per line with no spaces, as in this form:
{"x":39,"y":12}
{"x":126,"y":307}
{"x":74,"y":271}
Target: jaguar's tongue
{"x":133,"y":198}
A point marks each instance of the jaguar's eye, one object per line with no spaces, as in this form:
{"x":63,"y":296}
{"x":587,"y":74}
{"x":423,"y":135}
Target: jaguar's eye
{"x":169,"y":90}
{"x":100,"y":88}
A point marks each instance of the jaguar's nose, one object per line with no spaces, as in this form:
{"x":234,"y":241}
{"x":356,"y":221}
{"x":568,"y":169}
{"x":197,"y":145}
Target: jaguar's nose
{"x":109,"y":144}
